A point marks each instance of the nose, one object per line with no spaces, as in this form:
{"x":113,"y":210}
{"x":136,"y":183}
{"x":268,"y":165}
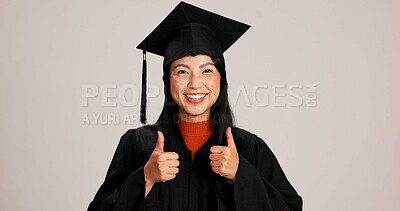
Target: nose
{"x":195,"y":81}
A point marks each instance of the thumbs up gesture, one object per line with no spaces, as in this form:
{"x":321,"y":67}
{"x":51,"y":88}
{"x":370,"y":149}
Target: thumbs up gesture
{"x":225,"y":159}
{"x":161,"y":166}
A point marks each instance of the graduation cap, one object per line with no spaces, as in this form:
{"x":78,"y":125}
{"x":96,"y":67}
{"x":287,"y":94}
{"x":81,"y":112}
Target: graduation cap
{"x":188,"y":30}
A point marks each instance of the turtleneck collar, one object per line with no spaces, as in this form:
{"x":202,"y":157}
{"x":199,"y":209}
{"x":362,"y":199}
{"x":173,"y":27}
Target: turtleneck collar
{"x":203,"y":128}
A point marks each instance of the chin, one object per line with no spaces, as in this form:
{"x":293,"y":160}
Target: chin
{"x":193,"y":113}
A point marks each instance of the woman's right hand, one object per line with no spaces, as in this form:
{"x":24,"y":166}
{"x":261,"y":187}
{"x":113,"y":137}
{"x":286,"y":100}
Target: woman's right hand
{"x":161,"y":166}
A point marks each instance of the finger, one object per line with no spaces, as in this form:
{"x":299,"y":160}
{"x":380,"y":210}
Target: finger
{"x":160,"y":142}
{"x":167,"y":177}
{"x":217,"y":170}
{"x":221,"y":150}
{"x":214,"y":156}
{"x":169,"y":156}
{"x":172,"y":171}
{"x":165,"y":169}
{"x":215,"y":164}
{"x":172,"y":163}
{"x":229,"y":138}
{"x":217,"y":149}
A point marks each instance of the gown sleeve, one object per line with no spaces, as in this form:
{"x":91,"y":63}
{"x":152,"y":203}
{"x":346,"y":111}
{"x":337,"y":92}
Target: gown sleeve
{"x":124,"y":186}
{"x":261,"y":183}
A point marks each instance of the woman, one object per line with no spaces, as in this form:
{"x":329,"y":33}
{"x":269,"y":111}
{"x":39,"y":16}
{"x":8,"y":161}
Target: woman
{"x":193,"y":158}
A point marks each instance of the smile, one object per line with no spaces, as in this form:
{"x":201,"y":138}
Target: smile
{"x":195,"y":96}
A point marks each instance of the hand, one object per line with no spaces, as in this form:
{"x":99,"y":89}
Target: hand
{"x":161,"y":166}
{"x":225,"y":159}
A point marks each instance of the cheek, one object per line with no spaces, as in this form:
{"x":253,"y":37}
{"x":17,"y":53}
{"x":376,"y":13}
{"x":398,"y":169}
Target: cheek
{"x":175,"y":87}
{"x":215,"y":86}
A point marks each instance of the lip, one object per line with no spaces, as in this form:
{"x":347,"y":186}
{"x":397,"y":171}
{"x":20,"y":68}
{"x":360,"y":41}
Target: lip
{"x":195,"y":100}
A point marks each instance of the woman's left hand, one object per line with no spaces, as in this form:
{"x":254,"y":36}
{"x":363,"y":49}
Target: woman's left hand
{"x":225,"y":159}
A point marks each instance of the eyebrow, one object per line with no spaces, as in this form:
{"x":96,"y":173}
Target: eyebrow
{"x":206,"y":64}
{"x":181,"y":65}
{"x":201,"y":66}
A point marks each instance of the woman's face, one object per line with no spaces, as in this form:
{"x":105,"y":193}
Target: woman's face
{"x":195,"y":86}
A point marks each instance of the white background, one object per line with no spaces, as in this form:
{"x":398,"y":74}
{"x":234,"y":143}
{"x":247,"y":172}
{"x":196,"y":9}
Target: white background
{"x":341,"y":154}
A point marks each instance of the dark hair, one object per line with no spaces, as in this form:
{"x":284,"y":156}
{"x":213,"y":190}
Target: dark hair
{"x":221,"y":114}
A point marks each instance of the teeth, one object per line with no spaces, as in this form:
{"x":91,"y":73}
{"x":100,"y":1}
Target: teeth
{"x":196,"y":97}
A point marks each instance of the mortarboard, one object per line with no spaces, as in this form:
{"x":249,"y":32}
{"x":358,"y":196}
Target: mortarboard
{"x":188,"y":30}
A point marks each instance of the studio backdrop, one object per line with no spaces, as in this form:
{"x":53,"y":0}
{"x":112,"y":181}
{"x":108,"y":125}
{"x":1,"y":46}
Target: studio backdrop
{"x":317,"y":80}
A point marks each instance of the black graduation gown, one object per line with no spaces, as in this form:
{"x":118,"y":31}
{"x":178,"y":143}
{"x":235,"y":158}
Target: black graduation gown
{"x":260,"y":182}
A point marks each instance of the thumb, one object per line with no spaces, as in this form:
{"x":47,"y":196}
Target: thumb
{"x":160,"y":142}
{"x":229,"y":138}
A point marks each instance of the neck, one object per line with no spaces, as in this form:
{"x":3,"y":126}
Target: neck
{"x":191,"y":118}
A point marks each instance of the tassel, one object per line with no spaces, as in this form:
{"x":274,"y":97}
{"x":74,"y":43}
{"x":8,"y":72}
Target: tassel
{"x":143,"y":102}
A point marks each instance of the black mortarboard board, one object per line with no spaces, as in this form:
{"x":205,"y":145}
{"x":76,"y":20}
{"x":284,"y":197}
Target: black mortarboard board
{"x":188,"y":30}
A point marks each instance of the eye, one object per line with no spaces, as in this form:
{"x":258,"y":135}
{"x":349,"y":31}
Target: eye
{"x":207,"y":71}
{"x":179,"y":72}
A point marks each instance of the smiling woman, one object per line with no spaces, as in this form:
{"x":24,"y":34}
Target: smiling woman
{"x":195,"y":83}
{"x":194,"y":158}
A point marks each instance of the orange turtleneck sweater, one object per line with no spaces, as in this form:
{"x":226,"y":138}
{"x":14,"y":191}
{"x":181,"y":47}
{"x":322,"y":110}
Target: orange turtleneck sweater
{"x":195,"y":134}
